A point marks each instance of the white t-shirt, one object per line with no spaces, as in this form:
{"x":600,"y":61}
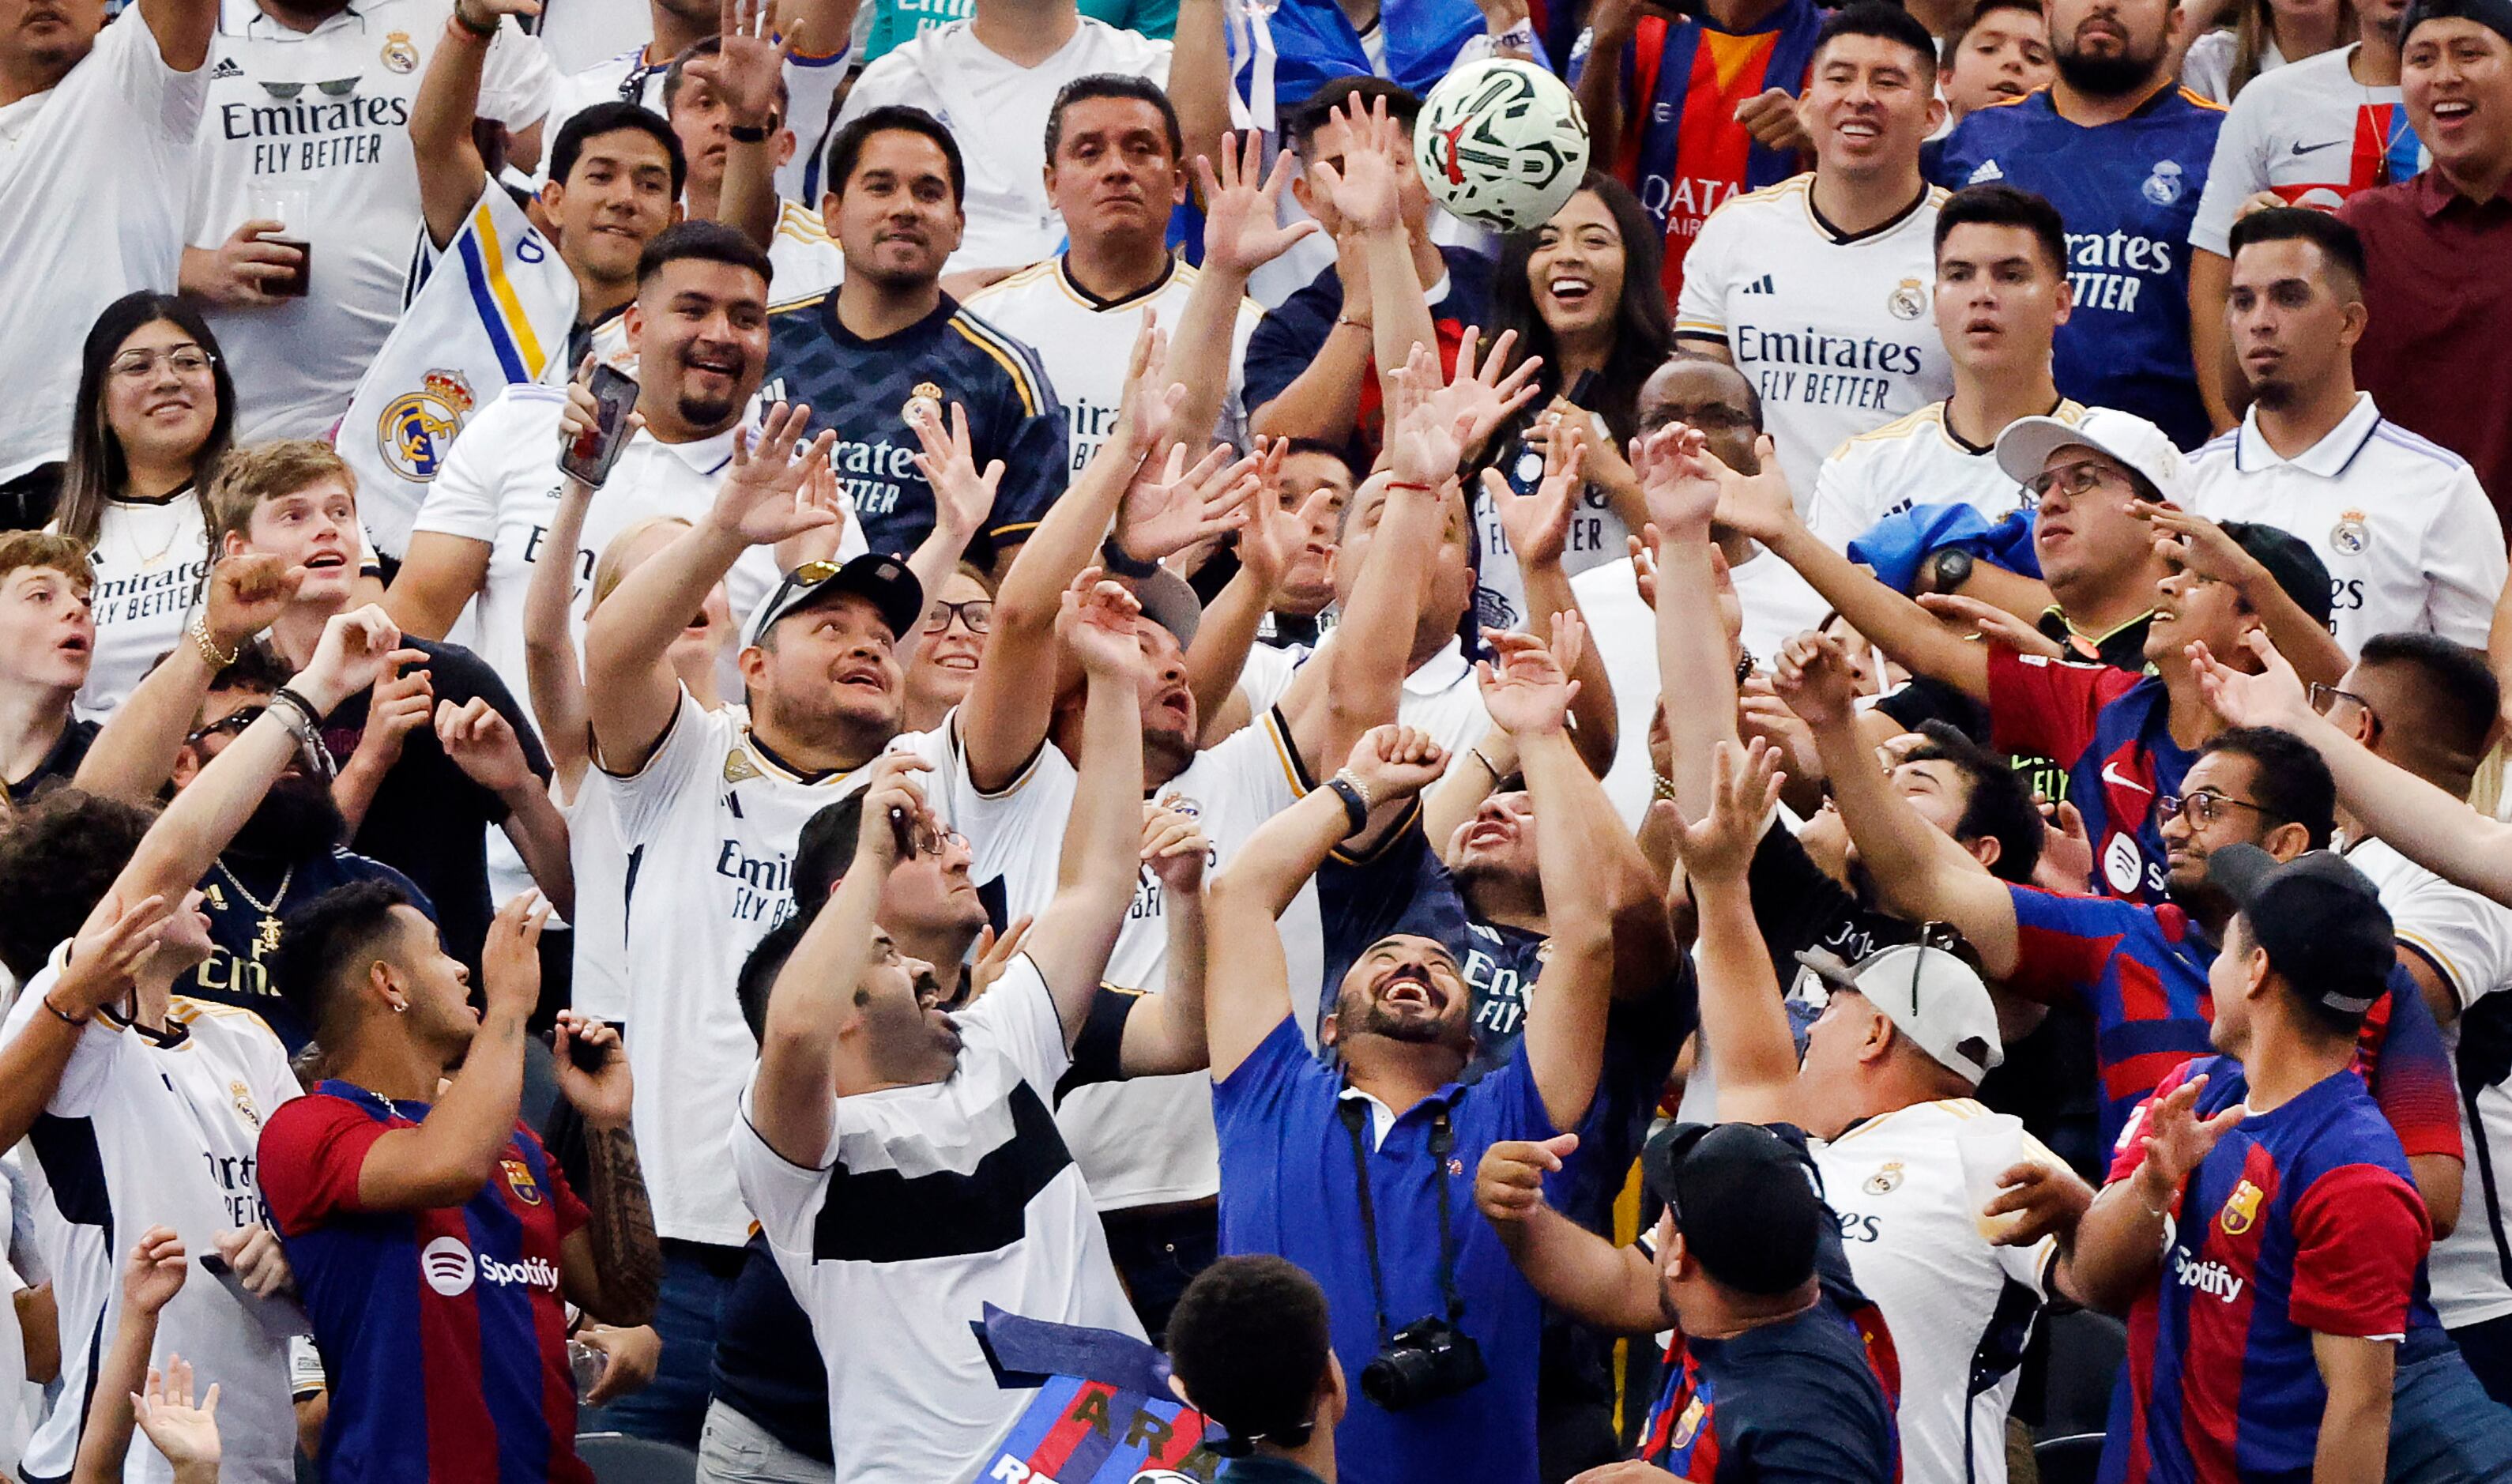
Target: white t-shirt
{"x":1149,"y":1141}
{"x":1950,"y":1299}
{"x":2208,"y":68}
{"x":149,"y":560}
{"x":998,"y":110}
{"x":1913,"y":461}
{"x":930,"y":1202}
{"x":802,"y":259}
{"x":2466,"y":939}
{"x":2310,"y":133}
{"x":2407,"y":536}
{"x":579,"y":33}
{"x":1086,"y":343}
{"x":1597,"y":535}
{"x":172,"y":1123}
{"x":709,"y":825}
{"x":342,"y":133}
{"x":1834,"y":332}
{"x":622,"y":77}
{"x":1439,"y":697}
{"x":91,"y":180}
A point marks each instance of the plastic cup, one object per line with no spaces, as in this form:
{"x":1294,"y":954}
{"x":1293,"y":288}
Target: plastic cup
{"x":1989,"y":1147}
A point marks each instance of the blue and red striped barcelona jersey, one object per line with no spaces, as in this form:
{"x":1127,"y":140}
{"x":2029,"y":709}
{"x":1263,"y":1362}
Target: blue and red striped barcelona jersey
{"x":1682,"y":150}
{"x":2110,"y":730}
{"x":2303,"y":1220}
{"x":443,"y":1332}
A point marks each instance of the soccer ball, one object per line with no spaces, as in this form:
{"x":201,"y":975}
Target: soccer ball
{"x":1502,"y":142}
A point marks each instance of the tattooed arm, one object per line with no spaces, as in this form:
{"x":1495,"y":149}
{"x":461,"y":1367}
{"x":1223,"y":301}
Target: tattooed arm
{"x":612,"y":1267}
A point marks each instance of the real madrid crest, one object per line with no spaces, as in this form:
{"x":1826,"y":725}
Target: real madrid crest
{"x":1886,"y":1181}
{"x":2348,"y":534}
{"x":926,"y":398}
{"x":1182,"y":804}
{"x":2164,"y":185}
{"x":399,"y":55}
{"x":418,"y":428}
{"x":242,"y":1097}
{"x":1907,"y":300}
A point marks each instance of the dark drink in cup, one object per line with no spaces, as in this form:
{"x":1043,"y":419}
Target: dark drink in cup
{"x":293,"y":283}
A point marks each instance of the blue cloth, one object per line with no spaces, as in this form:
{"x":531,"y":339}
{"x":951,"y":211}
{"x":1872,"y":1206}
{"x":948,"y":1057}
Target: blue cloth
{"x":2444,"y":1427}
{"x":1294,"y":330}
{"x":1897,"y":544}
{"x":237,"y":972}
{"x":1289,"y":1187}
{"x":2128,"y":191}
{"x":766,"y":1366}
{"x":1315,"y":44}
{"x":672,"y":1407}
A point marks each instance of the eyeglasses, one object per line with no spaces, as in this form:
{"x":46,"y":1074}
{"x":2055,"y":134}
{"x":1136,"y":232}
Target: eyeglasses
{"x":2205,"y":806}
{"x":181,"y":359}
{"x":2325,"y":699}
{"x":231,"y":724}
{"x":978,"y":613}
{"x":922,"y":837}
{"x":337,"y":87}
{"x":2076,"y":480}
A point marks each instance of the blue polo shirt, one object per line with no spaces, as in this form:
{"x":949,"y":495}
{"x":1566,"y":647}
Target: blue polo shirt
{"x":1288,"y":1187}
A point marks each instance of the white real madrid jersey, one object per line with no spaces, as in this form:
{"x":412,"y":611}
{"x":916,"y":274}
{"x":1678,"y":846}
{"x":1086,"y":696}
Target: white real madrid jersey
{"x":1086,"y":342}
{"x":709,"y":825}
{"x":2410,"y":538}
{"x":929,"y":1203}
{"x":1912,"y":460}
{"x":1148,"y":1141}
{"x":148,"y":560}
{"x":1834,"y":330}
{"x":327,"y":112}
{"x":803,"y":260}
{"x":162,"y":1128}
{"x":1955,"y":1304}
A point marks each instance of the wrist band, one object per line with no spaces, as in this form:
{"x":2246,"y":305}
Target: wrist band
{"x":1112,"y":555}
{"x":306,"y":725}
{"x":1406,"y":483}
{"x":483,"y":32}
{"x":748,"y":133}
{"x":1354,"y":321}
{"x":64,"y":1016}
{"x":1356,"y":805}
{"x":208,"y":648}
{"x":1487,"y":764}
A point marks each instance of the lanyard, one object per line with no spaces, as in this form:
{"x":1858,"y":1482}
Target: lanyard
{"x":1444,"y":1139}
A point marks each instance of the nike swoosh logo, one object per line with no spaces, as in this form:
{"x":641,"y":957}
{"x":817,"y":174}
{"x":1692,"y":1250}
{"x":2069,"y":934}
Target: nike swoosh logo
{"x":2111,"y":774}
{"x":2302,"y":149}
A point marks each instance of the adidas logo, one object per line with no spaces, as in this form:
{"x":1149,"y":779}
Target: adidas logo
{"x":1760,"y":284}
{"x":1986,"y":170}
{"x":225,"y":68}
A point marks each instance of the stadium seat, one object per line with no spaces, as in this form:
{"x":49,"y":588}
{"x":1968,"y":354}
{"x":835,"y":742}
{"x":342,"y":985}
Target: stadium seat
{"x":2086,"y":1349}
{"x":618,"y":1458}
{"x":2068,"y":1459}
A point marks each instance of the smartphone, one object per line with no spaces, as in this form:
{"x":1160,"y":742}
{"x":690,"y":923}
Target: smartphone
{"x":586,"y":1058}
{"x":589,"y":459}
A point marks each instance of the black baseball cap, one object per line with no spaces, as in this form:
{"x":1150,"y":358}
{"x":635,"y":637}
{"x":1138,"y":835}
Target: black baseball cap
{"x":892,"y":590}
{"x":2320,"y":920}
{"x":1744,"y":1198}
{"x":2290,"y":561}
{"x":2493,"y":14}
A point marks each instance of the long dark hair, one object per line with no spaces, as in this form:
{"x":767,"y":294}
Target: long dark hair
{"x":97,"y":471}
{"x":1644,"y":330}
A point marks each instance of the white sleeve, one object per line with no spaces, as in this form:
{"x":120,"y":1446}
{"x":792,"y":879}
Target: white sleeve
{"x":693,"y":746}
{"x":91,"y":1065}
{"x":2030,"y":1265}
{"x":784,"y":1196}
{"x":518,"y":84}
{"x":810,"y":98}
{"x":462,"y":499}
{"x":2238,"y":171}
{"x":1018,"y":1018}
{"x":2464,"y":564}
{"x":1701,"y":309}
{"x":1267,"y":677}
{"x":1252,"y":773}
{"x":2465,"y":937}
{"x":892,"y":79}
{"x":1016,"y":827}
{"x":145,"y":86}
{"x":1840,"y":513}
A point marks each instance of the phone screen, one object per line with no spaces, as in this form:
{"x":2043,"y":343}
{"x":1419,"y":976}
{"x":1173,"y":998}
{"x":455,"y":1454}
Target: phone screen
{"x":595,"y":451}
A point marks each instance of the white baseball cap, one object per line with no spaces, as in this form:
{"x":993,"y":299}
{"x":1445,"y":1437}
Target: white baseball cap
{"x":1930,"y":996}
{"x":2029,"y":442}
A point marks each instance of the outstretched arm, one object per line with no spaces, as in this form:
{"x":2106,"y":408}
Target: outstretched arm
{"x":451,"y":171}
{"x":1574,"y":1270}
{"x":1165,"y":1034}
{"x":1744,"y":1025}
{"x":134,"y":755}
{"x":2113,"y":1255}
{"x":744,"y":72}
{"x":1240,"y":235}
{"x":552,"y":676}
{"x":151,"y":1277}
{"x":1696,"y":663}
{"x":613,"y":1267}
{"x":1539,"y":533}
{"x":182,"y":28}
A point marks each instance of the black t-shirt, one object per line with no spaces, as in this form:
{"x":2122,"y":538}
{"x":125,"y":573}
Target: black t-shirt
{"x":1799,"y":907}
{"x":69,"y":750}
{"x":429,"y":820}
{"x":248,"y":899}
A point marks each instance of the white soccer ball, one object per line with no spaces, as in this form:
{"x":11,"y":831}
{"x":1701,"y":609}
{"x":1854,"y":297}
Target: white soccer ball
{"x":1502,"y":142}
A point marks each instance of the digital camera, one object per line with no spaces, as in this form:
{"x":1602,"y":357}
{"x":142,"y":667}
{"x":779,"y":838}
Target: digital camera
{"x":1422,"y":1363}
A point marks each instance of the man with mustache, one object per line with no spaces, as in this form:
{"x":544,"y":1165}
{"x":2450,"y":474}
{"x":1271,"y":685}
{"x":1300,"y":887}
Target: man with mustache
{"x":2123,"y":153}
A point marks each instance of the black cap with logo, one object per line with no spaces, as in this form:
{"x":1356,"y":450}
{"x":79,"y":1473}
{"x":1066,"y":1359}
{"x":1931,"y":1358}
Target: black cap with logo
{"x":2320,"y":921}
{"x":1745,"y":1201}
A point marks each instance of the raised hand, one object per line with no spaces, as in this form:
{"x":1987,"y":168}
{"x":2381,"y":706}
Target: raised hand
{"x":510,"y":957}
{"x":1679,"y":479}
{"x":355,"y":649}
{"x":894,"y":812}
{"x":745,"y":72}
{"x":760,"y":499}
{"x":2273,"y":698}
{"x":2066,"y":863}
{"x":1743,"y":789}
{"x":1270,"y":537}
{"x":105,"y":957}
{"x":1150,"y":401}
{"x":1174,"y":848}
{"x":1241,"y":206}
{"x":1481,"y":395}
{"x":245,"y":595}
{"x":481,"y":742}
{"x":1424,"y":442}
{"x":2175,"y":1140}
{"x":1991,"y":622}
{"x":1524,"y":688}
{"x":963,"y":495}
{"x":1368,"y":189}
{"x":1394,"y":762}
{"x":994,"y":955}
{"x":1761,"y":714}
{"x":582,"y":413}
{"x":1538,"y":524}
{"x":2197,"y":544}
{"x":155,"y":1271}
{"x":1172,"y":505}
{"x":1095,"y":620}
{"x":186,"y":1434}
{"x":1815,"y":679}
{"x":404,"y":700}
{"x":1509,"y":1182}
{"x":604,"y":1094}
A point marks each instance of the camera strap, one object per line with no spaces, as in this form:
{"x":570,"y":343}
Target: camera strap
{"x":1443,"y":1142}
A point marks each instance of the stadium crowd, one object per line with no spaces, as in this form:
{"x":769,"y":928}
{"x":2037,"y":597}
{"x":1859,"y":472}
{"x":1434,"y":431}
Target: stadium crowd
{"x":1045,"y":741}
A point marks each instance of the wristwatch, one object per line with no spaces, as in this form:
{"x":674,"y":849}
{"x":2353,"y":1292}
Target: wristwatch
{"x":1948,"y":568}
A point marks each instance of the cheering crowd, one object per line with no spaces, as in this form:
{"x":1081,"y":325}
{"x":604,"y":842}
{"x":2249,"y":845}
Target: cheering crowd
{"x":932,"y":741}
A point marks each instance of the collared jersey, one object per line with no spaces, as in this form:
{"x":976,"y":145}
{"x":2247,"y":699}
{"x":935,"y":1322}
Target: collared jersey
{"x":328,"y":110}
{"x":2111,"y":730}
{"x":1086,"y":343}
{"x":998,"y":110}
{"x":2129,"y":191}
{"x":2300,"y":1220}
{"x":158,"y":1128}
{"x":91,"y":180}
{"x":148,"y":560}
{"x":443,"y":1331}
{"x":1959,"y":1308}
{"x":863,"y":388}
{"x":2411,"y":542}
{"x":1832,"y":328}
{"x":930,"y":1202}
{"x":1682,"y":150}
{"x":2310,"y":133}
{"x":1916,"y":459}
{"x":2432,"y":349}
{"x":709,"y":825}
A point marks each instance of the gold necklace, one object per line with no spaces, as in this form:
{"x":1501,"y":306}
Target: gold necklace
{"x":266,"y":938}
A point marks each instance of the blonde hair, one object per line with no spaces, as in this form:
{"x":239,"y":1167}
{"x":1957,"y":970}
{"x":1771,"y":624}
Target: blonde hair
{"x":611,"y":566}
{"x":267,"y":471}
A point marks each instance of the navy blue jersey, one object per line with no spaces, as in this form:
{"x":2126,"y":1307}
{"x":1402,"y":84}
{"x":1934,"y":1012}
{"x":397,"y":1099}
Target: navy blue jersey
{"x":863,"y":389}
{"x":248,"y":900}
{"x":2129,"y":192}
